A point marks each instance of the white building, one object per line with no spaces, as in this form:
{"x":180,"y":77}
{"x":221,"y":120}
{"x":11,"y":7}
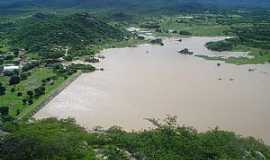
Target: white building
{"x":11,"y":68}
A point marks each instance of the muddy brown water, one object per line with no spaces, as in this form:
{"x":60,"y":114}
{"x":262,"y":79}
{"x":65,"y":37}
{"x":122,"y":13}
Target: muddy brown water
{"x":152,"y":81}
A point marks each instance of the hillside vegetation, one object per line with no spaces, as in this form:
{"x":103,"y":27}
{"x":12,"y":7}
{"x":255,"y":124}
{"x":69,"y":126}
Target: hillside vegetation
{"x":46,"y":33}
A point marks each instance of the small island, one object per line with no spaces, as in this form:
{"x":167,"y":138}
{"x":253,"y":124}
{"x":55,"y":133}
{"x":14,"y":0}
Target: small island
{"x":224,"y":45}
{"x":186,"y":52}
{"x":157,"y":41}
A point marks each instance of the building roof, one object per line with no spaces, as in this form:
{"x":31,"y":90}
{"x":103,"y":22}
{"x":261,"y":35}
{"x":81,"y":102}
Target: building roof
{"x":11,"y":67}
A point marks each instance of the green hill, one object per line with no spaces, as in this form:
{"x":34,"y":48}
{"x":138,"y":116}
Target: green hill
{"x":45,"y":33}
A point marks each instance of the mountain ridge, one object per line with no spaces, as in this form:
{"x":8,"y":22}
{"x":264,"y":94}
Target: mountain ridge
{"x":133,"y":3}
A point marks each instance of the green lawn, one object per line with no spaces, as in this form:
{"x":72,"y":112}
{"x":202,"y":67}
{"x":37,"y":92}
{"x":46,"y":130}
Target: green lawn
{"x":15,"y":103}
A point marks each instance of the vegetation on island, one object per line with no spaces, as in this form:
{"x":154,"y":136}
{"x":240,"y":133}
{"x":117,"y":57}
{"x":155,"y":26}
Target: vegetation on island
{"x":63,"y":139}
{"x":223,"y":45}
{"x":253,"y":39}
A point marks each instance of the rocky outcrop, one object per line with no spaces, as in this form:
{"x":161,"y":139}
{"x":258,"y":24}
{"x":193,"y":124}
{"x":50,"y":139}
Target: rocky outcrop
{"x":185,"y":52}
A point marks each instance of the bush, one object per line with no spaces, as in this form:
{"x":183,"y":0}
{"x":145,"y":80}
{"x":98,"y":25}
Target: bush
{"x":12,"y":90}
{"x":30,"y":93}
{"x":39,"y":91}
{"x":30,"y":101}
{"x":185,"y":33}
{"x":19,"y":94}
{"x":4,"y":110}
{"x":24,"y":101}
{"x":2,"y":90}
{"x":14,"y":80}
{"x":68,"y":58}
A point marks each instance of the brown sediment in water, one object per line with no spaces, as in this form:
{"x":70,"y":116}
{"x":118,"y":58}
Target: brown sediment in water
{"x":135,"y":86}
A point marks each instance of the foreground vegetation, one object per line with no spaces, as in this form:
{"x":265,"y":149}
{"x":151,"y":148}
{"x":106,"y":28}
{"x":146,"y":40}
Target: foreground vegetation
{"x":53,"y":139}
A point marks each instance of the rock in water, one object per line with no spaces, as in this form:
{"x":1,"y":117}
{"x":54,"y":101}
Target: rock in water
{"x":186,"y":52}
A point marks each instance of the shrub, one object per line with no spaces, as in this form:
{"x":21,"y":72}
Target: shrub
{"x":4,"y":110}
{"x":12,"y":90}
{"x":30,"y":93}
{"x":30,"y":101}
{"x":19,"y":94}
{"x":2,"y":90}
{"x":39,"y":91}
{"x":14,"y":80}
{"x":185,"y":33}
{"x":68,"y":58}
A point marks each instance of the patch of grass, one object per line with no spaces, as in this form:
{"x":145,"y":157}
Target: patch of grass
{"x":14,"y":102}
{"x":195,"y":26}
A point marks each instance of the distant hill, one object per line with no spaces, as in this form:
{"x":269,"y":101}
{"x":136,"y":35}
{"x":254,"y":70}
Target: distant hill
{"x":135,"y":4}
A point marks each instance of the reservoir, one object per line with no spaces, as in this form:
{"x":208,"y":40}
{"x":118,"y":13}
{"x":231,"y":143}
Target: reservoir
{"x":152,"y":81}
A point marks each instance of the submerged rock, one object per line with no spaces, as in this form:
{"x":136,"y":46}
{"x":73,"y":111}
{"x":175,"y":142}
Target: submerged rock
{"x":157,"y":41}
{"x":186,"y":52}
{"x":92,"y":60}
{"x":251,"y":70}
{"x":101,"y":56}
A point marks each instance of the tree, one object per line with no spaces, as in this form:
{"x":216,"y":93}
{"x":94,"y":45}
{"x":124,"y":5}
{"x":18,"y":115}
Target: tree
{"x":30,"y":101}
{"x":14,"y":80}
{"x":4,"y":110}
{"x":2,"y":90}
{"x":39,"y":91}
{"x":30,"y":93}
{"x":19,"y":94}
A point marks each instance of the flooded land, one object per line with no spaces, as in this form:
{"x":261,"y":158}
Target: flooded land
{"x":152,"y":81}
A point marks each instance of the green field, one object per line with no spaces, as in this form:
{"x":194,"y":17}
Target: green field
{"x":15,"y":103}
{"x":196,"y":27}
